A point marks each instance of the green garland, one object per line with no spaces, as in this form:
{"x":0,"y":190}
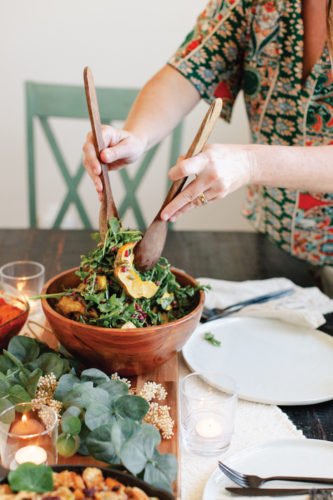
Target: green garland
{"x":99,"y":417}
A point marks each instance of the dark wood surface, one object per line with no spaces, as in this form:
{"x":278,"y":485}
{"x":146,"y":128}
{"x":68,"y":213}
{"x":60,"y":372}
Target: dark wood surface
{"x":221,"y":255}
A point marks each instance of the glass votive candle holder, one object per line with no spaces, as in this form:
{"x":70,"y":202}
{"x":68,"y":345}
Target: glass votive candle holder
{"x":207,"y":413}
{"x":27,"y":277}
{"x":28,"y":433}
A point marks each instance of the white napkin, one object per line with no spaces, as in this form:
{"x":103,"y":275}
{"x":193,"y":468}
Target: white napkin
{"x":305,"y":306}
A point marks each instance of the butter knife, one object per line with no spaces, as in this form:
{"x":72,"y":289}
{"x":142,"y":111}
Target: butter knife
{"x":276,"y":492}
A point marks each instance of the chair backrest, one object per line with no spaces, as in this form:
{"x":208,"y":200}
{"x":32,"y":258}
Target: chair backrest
{"x":44,"y":101}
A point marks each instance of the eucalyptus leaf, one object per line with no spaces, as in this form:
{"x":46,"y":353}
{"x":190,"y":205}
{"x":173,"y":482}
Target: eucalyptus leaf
{"x":94,"y":375}
{"x":83,"y":450}
{"x":100,"y":446}
{"x":139,"y":448}
{"x":5,"y":364}
{"x":97,"y":415}
{"x":115,"y":389}
{"x":121,"y":431}
{"x":67,"y":445}
{"x":134,"y":407}
{"x":72,"y":411}
{"x":32,"y":381}
{"x":50,"y":362}
{"x":24,"y":348}
{"x":161,"y":471}
{"x":84,"y":394}
{"x":65,"y":385}
{"x":71,"y":425}
{"x":4,"y":388}
{"x":17,"y":394}
{"x":31,"y":477}
{"x":14,"y":360}
{"x":9,"y":417}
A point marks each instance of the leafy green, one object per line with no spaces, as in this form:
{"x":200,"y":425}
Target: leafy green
{"x":31,"y":477}
{"x":109,"y":305}
{"x":100,"y":445}
{"x":71,"y":424}
{"x":22,"y":365}
{"x":68,"y":444}
{"x":133,"y":407}
{"x":211,"y":339}
{"x":24,"y":349}
{"x":161,"y":470}
{"x":139,"y":448}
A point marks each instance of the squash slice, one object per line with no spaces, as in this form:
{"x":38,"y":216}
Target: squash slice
{"x":127,"y":276}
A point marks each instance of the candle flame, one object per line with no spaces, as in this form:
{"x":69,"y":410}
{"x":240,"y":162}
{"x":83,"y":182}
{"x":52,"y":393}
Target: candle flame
{"x":20,"y":285}
{"x":24,"y":418}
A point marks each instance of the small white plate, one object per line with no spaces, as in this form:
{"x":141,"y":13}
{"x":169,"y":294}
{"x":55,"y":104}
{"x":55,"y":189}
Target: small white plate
{"x":297,"y":457}
{"x":271,"y":361}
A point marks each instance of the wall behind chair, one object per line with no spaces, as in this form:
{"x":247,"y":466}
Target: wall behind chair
{"x":124,"y":42}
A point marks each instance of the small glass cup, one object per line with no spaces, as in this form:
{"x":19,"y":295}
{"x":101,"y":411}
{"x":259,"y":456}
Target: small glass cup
{"x":27,"y":277}
{"x":28,"y":433}
{"x":207,"y":413}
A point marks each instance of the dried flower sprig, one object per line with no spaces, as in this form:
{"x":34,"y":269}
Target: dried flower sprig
{"x":158,"y":415}
{"x":115,"y":376}
{"x":44,"y":395}
{"x":152,"y":390}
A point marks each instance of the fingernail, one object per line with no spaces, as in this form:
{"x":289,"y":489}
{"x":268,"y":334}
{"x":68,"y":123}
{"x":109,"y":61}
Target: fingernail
{"x":107,"y":156}
{"x":165,"y":216}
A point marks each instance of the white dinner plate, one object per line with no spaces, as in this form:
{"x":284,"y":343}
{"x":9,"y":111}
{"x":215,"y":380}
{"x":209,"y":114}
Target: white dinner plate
{"x":271,"y":361}
{"x":297,"y":457}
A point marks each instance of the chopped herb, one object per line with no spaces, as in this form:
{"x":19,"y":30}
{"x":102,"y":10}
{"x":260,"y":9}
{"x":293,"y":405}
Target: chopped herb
{"x":209,"y":336}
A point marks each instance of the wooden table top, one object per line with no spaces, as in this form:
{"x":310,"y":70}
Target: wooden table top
{"x":234,"y":256}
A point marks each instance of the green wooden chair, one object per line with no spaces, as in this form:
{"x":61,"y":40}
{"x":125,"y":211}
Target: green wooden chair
{"x":44,"y":101}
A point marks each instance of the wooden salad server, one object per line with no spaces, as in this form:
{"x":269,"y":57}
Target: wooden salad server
{"x":149,"y":249}
{"x":108,"y":208}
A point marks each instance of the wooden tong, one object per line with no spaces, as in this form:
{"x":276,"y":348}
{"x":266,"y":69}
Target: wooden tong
{"x":149,"y":249}
{"x":108,"y":208}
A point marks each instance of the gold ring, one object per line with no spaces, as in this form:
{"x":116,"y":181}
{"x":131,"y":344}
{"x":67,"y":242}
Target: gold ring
{"x":202,"y":198}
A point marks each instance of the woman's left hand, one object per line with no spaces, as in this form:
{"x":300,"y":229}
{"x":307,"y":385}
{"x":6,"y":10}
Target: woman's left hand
{"x":219,"y":170}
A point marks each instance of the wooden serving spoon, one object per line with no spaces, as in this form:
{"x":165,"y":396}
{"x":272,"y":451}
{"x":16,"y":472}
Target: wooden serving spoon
{"x":108,"y":208}
{"x":149,"y":249}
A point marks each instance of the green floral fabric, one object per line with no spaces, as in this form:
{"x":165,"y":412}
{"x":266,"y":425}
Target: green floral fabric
{"x":257,"y":46}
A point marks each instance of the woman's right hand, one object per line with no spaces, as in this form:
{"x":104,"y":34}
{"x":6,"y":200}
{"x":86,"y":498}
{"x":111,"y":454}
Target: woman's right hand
{"x":122,"y":148}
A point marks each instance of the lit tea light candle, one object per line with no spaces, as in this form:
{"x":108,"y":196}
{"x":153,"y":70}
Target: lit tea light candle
{"x":209,"y":427}
{"x":31,"y":453}
{"x":26,"y":426}
{"x":22,"y":287}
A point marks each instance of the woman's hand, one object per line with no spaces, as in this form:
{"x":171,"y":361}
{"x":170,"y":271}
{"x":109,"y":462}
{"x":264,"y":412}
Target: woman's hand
{"x":219,"y":170}
{"x":122,"y":148}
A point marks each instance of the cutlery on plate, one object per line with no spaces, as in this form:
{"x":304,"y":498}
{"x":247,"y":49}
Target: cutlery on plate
{"x":252,"y":481}
{"x":149,"y":249}
{"x":279,"y":492}
{"x":216,"y":313}
{"x":108,"y":208}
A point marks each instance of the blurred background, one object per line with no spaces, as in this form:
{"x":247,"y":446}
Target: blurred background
{"x":125,"y":43}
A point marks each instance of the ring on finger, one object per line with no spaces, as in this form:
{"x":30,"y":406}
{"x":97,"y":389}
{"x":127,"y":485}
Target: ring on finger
{"x":202,"y":198}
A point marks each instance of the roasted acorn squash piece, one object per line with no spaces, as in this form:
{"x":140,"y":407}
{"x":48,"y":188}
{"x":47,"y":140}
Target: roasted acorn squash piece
{"x":127,"y":276}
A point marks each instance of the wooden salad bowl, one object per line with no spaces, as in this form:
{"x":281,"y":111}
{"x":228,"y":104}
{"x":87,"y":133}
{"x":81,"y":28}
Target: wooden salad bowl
{"x":130,"y":351}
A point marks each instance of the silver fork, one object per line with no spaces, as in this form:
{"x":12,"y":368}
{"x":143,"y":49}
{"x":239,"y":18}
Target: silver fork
{"x":215,"y":313}
{"x":252,"y":481}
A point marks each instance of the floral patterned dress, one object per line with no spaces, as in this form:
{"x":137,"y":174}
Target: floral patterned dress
{"x":257,"y":46}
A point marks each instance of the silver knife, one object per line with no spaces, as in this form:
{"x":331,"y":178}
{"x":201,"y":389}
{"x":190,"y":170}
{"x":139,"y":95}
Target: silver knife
{"x":271,"y":492}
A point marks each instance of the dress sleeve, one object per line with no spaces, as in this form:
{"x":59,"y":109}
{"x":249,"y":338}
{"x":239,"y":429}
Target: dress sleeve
{"x":211,"y":56}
